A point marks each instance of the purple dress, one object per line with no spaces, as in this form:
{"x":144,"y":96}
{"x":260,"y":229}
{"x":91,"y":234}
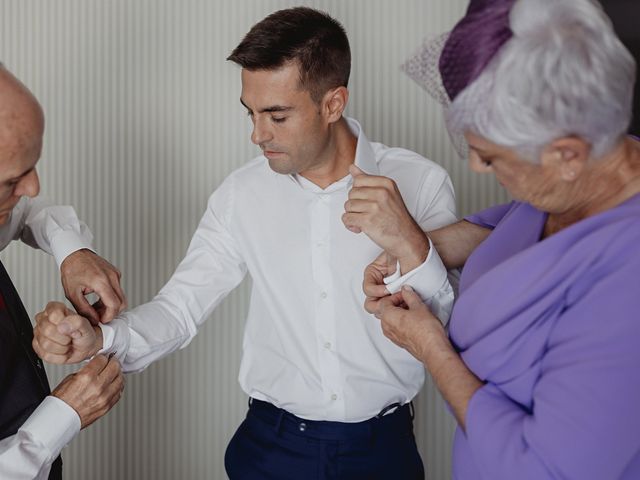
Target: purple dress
{"x":553,"y":328}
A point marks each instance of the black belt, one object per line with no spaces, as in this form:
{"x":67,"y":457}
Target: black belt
{"x":399,"y":421}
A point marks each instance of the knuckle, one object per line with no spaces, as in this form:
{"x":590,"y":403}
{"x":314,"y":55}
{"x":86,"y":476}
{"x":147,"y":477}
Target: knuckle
{"x":45,"y":344}
{"x":47,"y":357}
{"x":84,"y":376}
{"x":46,"y":328}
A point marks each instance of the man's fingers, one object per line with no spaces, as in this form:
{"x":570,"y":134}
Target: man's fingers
{"x":360,"y":206}
{"x":54,"y":312}
{"x":76,"y":327}
{"x":110,"y":300}
{"x":372,"y":194}
{"x":355,"y":171}
{"x":364,"y":180}
{"x":352,"y":221}
{"x":47,"y":356}
{"x":373,"y":284}
{"x":375,"y":291}
{"x":52,"y":347}
{"x":115,"y":284}
{"x":83,"y":307}
{"x":111,"y":370}
{"x":96,"y":365}
{"x":46,"y":329}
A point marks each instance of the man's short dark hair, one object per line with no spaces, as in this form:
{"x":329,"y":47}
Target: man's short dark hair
{"x":314,"y":40}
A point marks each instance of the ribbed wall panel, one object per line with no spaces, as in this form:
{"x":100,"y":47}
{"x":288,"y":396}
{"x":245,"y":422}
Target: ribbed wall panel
{"x":143,"y":122}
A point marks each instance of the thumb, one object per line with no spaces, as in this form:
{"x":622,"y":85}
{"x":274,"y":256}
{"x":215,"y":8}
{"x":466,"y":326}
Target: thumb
{"x":355,"y":171}
{"x":411,"y":298}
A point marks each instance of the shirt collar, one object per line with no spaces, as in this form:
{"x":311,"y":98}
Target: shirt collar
{"x":365,"y":156}
{"x":365,"y":160}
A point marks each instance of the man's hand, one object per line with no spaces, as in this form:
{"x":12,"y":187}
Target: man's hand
{"x":376,"y":208}
{"x":84,"y":272}
{"x":93,"y":389}
{"x":373,"y":284}
{"x":61,"y":336}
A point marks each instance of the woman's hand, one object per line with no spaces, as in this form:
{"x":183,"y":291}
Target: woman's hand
{"x":409,"y":323}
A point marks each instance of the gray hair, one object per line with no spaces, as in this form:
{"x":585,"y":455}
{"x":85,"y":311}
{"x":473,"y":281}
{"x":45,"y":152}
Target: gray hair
{"x":564,"y":72}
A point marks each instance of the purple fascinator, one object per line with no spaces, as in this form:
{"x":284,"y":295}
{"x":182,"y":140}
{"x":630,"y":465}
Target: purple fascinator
{"x":446,"y":64}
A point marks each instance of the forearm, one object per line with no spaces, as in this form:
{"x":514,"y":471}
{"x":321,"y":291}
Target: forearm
{"x":454,"y":380}
{"x":457,"y":241}
{"x":148,"y":333}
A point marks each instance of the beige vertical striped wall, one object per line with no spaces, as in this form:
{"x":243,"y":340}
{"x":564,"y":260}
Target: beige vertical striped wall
{"x":143,"y":122}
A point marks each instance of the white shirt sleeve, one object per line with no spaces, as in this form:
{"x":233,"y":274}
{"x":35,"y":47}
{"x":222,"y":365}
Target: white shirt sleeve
{"x":52,"y":228}
{"x":30,"y":452}
{"x":212,"y":267}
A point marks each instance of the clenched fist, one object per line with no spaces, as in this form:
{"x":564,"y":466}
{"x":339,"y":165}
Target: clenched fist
{"x":61,"y":336}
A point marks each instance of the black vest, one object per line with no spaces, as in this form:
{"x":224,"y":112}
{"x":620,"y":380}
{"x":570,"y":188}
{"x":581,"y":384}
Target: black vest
{"x":23,"y":381}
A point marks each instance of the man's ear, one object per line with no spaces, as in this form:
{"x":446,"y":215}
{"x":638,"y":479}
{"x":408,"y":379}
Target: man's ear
{"x":334,"y":102}
{"x":569,"y":155}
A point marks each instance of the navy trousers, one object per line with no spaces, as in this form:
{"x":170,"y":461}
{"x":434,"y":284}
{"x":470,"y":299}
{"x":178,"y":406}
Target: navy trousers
{"x":274,"y":444}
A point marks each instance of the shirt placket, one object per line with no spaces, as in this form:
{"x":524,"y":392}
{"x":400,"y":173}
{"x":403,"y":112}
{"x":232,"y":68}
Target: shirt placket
{"x":324,"y":296}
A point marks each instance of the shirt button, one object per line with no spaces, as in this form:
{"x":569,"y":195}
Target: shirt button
{"x":302,"y":427}
{"x":334,"y":396}
{"x":327,"y":345}
{"x":323,"y":295}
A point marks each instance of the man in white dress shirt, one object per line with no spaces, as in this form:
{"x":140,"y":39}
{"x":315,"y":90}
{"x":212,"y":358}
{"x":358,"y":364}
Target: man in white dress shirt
{"x":330,"y":394}
{"x":36,"y":424}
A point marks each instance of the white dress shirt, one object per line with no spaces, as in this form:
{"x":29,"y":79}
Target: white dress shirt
{"x":30,"y":452}
{"x":309,"y":346}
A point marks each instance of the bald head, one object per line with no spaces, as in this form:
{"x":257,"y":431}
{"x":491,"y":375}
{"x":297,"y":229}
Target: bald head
{"x":21,"y":130}
{"x":21,"y":118}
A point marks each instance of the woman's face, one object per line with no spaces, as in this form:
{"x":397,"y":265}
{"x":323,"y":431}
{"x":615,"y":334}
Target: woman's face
{"x":525,"y":181}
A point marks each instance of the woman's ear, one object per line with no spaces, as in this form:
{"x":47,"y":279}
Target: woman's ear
{"x":569,"y":155}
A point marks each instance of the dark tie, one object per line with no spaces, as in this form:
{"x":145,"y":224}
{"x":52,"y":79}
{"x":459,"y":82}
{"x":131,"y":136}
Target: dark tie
{"x":23,"y":381}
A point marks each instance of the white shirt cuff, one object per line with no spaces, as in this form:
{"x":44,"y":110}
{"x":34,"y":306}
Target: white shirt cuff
{"x":65,"y":243}
{"x":430,"y":282}
{"x":427,"y":279}
{"x":53,"y":425}
{"x":115,"y":338}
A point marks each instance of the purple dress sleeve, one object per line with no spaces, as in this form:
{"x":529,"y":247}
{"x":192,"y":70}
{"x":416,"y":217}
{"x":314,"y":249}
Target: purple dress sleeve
{"x":491,"y":216}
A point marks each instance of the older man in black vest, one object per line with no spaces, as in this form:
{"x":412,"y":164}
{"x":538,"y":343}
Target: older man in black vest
{"x":36,"y":424}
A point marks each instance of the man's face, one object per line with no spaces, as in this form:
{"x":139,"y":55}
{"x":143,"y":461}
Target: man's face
{"x":287,"y":124}
{"x":21,"y":130}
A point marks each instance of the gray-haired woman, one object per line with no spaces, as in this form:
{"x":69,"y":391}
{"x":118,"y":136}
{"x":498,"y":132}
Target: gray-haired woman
{"x":540,"y":367}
